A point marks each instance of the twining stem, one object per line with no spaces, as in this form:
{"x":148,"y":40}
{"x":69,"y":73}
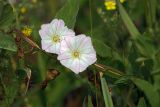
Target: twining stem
{"x":129,"y":100}
{"x":21,"y":61}
{"x":95,"y":83}
{"x":109,"y":69}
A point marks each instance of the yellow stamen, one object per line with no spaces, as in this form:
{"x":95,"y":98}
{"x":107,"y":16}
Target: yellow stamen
{"x":56,"y":39}
{"x":75,"y":54}
{"x":27,"y":31}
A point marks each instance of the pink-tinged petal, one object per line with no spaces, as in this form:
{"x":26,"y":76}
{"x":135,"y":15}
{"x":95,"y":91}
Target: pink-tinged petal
{"x":44,"y":26}
{"x":79,"y":40}
{"x":78,"y":66}
{"x":67,"y":62}
{"x":86,"y":43}
{"x":64,"y":56}
{"x":53,"y":30}
{"x":70,"y":42}
{"x":89,"y":59}
{"x":44,"y":32}
{"x":83,"y":66}
{"x":46,"y":44}
{"x":87,"y":50}
{"x":53,"y":21}
{"x":52,"y":48}
{"x":57,"y":25}
{"x":75,"y":42}
{"x":75,"y":66}
{"x":58,"y":45}
{"x":60,"y":24}
{"x":85,"y":46}
{"x":65,"y":32}
{"x":55,"y":48}
{"x":64,"y":47}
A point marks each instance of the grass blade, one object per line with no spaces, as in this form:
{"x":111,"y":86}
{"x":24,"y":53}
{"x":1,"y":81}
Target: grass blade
{"x":128,"y":22}
{"x":142,"y":103}
{"x":106,"y":94}
{"x":151,"y":94}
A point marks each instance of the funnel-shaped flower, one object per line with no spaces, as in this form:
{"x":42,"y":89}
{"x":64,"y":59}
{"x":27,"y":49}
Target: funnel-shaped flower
{"x":52,"y":34}
{"x":77,"y":53}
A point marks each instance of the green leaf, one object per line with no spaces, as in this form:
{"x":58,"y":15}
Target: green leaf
{"x":151,"y":94}
{"x":7,"y":17}
{"x":90,"y":102}
{"x":106,"y":94}
{"x":128,"y":22}
{"x":125,"y":79}
{"x":142,"y":103}
{"x":102,"y":49}
{"x":142,"y":44}
{"x":7,"y":42}
{"x":11,"y":92}
{"x":145,"y":46}
{"x":84,"y":102}
{"x":10,"y":86}
{"x":150,"y":11}
{"x":69,"y":12}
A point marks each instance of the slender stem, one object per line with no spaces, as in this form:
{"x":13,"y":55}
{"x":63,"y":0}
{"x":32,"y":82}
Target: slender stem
{"x":91,"y":24}
{"x":129,"y":100}
{"x":95,"y":80}
{"x":109,"y":69}
{"x":20,"y":61}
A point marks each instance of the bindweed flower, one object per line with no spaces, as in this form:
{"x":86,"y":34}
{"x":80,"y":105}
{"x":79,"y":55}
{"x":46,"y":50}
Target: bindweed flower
{"x":52,"y":34}
{"x":27,"y":31}
{"x":77,"y":53}
{"x":111,"y":4}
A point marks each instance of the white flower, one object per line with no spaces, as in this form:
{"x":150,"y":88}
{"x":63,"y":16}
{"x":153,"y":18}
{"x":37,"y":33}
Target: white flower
{"x":77,"y":53}
{"x":52,"y":34}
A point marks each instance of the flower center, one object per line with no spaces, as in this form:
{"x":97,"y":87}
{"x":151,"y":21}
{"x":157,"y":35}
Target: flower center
{"x":56,"y":39}
{"x":75,"y":54}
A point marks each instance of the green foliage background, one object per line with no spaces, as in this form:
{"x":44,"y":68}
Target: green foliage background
{"x":126,"y":74}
